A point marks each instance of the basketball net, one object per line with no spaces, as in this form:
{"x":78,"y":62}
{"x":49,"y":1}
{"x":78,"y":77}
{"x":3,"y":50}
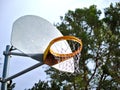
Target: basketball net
{"x":70,"y":67}
{"x":63,"y":53}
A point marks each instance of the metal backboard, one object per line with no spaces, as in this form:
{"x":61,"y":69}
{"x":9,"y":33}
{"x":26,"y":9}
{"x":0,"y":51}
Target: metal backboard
{"x":32,"y":34}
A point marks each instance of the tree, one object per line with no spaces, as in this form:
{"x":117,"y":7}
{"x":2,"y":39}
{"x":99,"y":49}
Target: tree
{"x":112,"y":63}
{"x":101,"y":46}
{"x":41,"y":85}
{"x":85,"y":24}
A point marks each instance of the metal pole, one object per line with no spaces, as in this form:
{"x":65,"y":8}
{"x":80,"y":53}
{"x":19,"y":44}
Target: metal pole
{"x":5,"y":68}
{"x":23,"y":72}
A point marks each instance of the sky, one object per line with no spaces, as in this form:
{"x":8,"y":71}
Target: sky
{"x":51,"y":10}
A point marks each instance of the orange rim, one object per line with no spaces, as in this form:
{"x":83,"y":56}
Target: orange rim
{"x":63,"y":55}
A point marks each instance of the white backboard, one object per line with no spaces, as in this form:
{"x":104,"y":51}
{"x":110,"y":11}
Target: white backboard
{"x":32,"y":34}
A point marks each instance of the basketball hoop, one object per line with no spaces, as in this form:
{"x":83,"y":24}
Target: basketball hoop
{"x":58,"y":53}
{"x":62,"y":51}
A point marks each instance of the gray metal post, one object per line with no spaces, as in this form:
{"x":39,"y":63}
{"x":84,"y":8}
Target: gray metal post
{"x":5,"y":68}
{"x":23,"y":72}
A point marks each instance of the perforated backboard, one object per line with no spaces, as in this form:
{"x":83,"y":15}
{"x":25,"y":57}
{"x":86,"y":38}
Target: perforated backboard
{"x":32,"y":34}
